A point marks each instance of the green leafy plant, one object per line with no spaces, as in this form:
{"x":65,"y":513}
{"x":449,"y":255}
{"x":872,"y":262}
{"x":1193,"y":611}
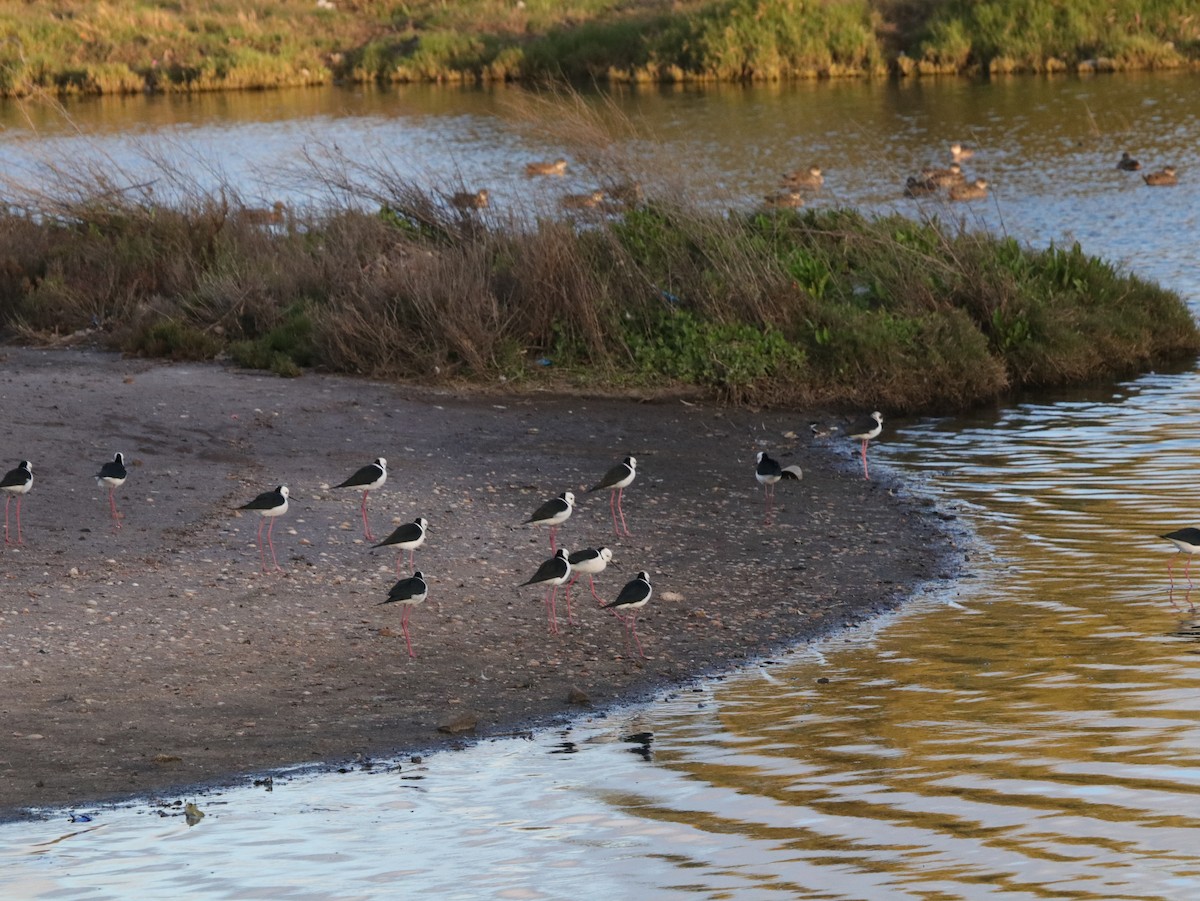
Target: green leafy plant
{"x":175,"y":341}
{"x":285,"y":349}
{"x":729,"y":357}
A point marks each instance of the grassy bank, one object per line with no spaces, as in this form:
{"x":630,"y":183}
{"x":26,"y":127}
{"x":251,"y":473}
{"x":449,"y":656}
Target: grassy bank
{"x":826,"y":308}
{"x":128,"y":46}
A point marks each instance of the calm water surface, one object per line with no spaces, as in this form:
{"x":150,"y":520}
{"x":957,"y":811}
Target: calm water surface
{"x":1048,"y":147}
{"x":1030,"y":732}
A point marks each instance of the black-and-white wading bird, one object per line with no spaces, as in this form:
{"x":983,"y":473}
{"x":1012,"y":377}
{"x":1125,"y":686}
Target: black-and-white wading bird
{"x":112,"y":475}
{"x":553,"y":513}
{"x":617,"y":480}
{"x":407,"y":537}
{"x":408,"y":593}
{"x":552,"y":573}
{"x":16,"y":483}
{"x":368,"y":478}
{"x":270,"y":505}
{"x":769,"y":473}
{"x":1186,"y":541}
{"x":633,"y":597}
{"x":864,"y":430}
{"x":588,"y":562}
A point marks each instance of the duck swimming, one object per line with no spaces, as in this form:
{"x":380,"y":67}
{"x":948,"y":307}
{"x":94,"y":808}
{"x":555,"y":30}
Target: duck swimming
{"x":959,"y":153}
{"x":976,"y":190}
{"x":784,"y":200}
{"x":1165,"y":177}
{"x":591,"y":200}
{"x":558,"y":167}
{"x":470,"y":200}
{"x":804,"y":178}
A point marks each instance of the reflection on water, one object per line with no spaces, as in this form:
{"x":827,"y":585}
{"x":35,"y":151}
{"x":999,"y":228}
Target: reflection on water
{"x":1032,"y":731}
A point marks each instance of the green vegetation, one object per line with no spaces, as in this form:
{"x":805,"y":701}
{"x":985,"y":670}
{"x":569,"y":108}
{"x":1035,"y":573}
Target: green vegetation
{"x":127,"y":46}
{"x":1041,"y":36}
{"x":789,"y":308}
{"x":284,"y":349}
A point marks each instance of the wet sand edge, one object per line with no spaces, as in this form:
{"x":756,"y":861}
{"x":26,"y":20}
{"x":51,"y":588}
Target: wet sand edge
{"x":155,"y":661}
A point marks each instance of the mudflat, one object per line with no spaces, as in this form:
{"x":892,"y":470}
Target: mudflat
{"x":140,"y":660}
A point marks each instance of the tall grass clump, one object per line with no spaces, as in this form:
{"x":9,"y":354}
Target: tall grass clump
{"x":748,"y":40}
{"x":387,"y":278}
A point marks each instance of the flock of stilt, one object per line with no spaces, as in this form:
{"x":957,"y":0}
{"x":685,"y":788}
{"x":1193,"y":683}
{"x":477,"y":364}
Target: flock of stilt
{"x":563,"y":567}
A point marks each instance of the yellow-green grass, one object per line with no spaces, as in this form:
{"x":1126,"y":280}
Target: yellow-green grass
{"x":123,"y":46}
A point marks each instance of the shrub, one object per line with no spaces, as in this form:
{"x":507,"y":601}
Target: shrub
{"x":786,"y":308}
{"x":174,"y":340}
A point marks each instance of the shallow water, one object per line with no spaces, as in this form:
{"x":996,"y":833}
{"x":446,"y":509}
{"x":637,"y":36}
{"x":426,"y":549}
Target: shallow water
{"x":1048,"y":148}
{"x":1032,"y":731}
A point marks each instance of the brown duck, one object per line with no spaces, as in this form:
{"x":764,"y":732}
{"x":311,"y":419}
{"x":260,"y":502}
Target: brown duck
{"x":976,"y":190}
{"x":784,"y":200}
{"x":944,"y":178}
{"x":470,"y":200}
{"x":1163,"y":178}
{"x":588,"y":201}
{"x":804,"y":178}
{"x":959,"y":153}
{"x":558,"y":167}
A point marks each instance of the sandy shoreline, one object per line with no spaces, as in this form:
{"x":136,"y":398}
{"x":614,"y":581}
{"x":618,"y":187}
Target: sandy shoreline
{"x":156,"y":657}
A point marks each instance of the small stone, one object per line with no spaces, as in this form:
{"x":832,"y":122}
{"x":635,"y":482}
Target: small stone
{"x":578,"y":696}
{"x":464,"y":722}
{"x":192,"y":814}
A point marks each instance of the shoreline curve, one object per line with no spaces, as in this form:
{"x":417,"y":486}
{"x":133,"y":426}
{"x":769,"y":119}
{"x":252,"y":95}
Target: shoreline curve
{"x":157,"y":659}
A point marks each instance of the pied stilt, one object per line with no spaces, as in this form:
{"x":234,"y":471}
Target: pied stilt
{"x":16,"y":482}
{"x":553,"y":513}
{"x":269,"y":505}
{"x":633,"y":597}
{"x":865,"y":429}
{"x":768,"y":472}
{"x":1188,"y":542}
{"x":588,"y":562}
{"x":407,"y":537}
{"x":112,"y":475}
{"x":407,"y":592}
{"x":552,"y":573}
{"x":617,"y":480}
{"x":368,"y":478}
